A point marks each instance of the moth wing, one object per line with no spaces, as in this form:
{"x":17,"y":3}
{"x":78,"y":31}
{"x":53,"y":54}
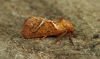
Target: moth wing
{"x":31,"y":25}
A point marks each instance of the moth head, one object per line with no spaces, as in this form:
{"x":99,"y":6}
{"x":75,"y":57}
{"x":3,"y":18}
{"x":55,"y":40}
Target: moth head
{"x":69,"y":27}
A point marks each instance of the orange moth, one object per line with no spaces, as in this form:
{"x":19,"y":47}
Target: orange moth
{"x":35,"y":27}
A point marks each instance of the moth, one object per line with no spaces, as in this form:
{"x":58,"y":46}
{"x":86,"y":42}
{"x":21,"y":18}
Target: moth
{"x":35,"y":27}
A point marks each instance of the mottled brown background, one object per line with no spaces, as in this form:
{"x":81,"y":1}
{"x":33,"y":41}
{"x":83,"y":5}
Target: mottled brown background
{"x":84,"y":15}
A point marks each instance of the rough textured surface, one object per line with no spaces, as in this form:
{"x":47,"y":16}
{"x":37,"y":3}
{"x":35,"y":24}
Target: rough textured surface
{"x":84,"y":15}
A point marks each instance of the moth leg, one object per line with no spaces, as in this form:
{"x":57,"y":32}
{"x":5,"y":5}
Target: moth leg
{"x":43,"y":37}
{"x":70,"y":37}
{"x":60,"y":36}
